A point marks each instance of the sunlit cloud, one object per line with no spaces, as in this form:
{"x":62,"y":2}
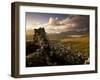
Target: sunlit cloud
{"x":75,"y":23}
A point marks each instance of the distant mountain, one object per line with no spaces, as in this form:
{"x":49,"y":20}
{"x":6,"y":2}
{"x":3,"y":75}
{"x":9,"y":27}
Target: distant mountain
{"x":29,"y":34}
{"x":68,"y":34}
{"x":74,"y":33}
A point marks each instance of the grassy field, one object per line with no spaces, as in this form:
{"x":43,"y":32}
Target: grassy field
{"x":78,"y":44}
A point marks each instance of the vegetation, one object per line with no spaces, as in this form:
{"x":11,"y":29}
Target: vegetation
{"x":78,"y":44}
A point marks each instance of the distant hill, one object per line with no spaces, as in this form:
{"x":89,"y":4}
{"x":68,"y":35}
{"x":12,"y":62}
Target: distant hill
{"x":67,"y":34}
{"x":29,"y":34}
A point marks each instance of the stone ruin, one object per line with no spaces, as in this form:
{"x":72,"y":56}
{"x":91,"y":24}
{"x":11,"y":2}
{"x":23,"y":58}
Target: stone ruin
{"x":41,"y":52}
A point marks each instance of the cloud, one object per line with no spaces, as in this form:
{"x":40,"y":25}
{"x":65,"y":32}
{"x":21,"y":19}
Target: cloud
{"x":71,"y":23}
{"x":54,"y":21}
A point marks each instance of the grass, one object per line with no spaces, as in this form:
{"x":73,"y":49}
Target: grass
{"x":78,"y":44}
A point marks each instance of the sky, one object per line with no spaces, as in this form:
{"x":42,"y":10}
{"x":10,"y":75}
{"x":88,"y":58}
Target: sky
{"x":57,"y":23}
